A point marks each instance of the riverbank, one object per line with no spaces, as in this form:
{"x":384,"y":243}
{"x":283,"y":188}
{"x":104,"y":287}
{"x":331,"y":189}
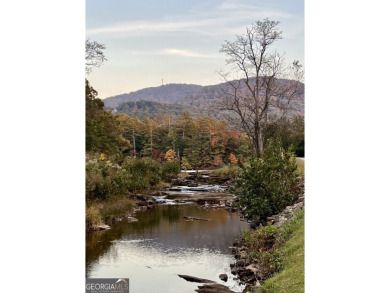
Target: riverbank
{"x":99,"y":213}
{"x":292,"y":278}
{"x":270,"y":259}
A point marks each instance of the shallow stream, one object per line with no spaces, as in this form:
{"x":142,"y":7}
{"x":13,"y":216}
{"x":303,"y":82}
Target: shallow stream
{"x":162,"y":244}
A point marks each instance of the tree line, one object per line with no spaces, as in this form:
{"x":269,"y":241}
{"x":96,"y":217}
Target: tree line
{"x":196,"y":143}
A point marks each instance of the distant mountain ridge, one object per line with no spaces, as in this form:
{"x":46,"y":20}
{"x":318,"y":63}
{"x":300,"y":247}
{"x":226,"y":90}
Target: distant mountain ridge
{"x":170,"y":93}
{"x":173,"y":99}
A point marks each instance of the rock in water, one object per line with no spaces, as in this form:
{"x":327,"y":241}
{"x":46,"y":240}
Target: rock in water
{"x":214,"y":288}
{"x":132,"y":219}
{"x":223,"y":277}
{"x":194,"y":218}
{"x":195,"y":279}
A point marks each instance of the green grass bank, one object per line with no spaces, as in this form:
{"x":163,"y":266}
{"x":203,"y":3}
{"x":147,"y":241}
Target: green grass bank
{"x":291,"y":277}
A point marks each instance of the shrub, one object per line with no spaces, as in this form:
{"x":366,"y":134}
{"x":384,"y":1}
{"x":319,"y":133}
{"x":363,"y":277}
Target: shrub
{"x":261,"y":239}
{"x":185,"y":164}
{"x":98,"y":180}
{"x":105,"y":180}
{"x":141,"y":173}
{"x":92,"y":217}
{"x":170,"y":170}
{"x":268,"y":184}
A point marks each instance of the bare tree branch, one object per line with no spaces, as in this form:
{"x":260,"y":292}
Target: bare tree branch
{"x":266,"y":83}
{"x":94,"y":55}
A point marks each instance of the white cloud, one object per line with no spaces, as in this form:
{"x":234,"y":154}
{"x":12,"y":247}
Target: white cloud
{"x":145,"y":27}
{"x":186,"y":53}
{"x":174,"y":52}
{"x":226,"y":18}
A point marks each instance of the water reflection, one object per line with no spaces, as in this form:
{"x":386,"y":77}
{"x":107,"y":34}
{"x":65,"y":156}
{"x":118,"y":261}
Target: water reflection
{"x":152,"y":251}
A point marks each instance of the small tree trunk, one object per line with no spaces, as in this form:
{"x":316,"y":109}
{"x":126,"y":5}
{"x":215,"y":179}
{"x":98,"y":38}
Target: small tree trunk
{"x":261,"y":144}
{"x":135,"y":154}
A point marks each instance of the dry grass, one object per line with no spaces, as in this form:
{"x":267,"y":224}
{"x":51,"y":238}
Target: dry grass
{"x":93,"y":217}
{"x":230,"y":171}
{"x":301,"y":167}
{"x":99,"y":212}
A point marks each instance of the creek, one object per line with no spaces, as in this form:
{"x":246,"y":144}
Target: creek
{"x":163,"y":243}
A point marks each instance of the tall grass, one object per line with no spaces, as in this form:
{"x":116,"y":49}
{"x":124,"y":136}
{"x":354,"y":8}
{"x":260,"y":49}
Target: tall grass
{"x":102,"y":211}
{"x":230,"y":171}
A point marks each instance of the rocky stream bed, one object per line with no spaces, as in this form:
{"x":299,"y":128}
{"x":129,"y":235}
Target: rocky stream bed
{"x":211,"y":193}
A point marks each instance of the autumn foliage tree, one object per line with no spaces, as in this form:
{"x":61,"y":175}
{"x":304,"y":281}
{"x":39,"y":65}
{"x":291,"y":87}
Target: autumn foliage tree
{"x":233,"y":159}
{"x":170,"y":155}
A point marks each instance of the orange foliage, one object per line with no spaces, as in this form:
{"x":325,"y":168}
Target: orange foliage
{"x":170,"y":155}
{"x":233,"y":159}
{"x":214,"y":140}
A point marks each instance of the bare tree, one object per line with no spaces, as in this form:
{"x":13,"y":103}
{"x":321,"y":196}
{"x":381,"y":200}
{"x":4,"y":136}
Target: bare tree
{"x":94,"y":55}
{"x":263,"y":84}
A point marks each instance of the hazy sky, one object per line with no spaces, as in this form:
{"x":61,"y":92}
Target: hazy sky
{"x":177,"y":40}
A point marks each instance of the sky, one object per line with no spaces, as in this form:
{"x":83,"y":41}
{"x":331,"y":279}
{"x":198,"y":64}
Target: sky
{"x":153,"y":42}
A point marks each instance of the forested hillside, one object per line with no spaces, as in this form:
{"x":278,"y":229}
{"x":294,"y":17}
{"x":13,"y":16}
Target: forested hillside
{"x":173,"y":99}
{"x":170,"y":93}
{"x":149,"y":109}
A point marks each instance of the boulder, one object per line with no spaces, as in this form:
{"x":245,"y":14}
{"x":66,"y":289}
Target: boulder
{"x":243,"y":255}
{"x":223,"y":277}
{"x":103,"y":227}
{"x":214,"y":288}
{"x":245,"y":272}
{"x":132,"y":219}
{"x":252,"y":268}
{"x":140,"y":197}
{"x":247,"y":262}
